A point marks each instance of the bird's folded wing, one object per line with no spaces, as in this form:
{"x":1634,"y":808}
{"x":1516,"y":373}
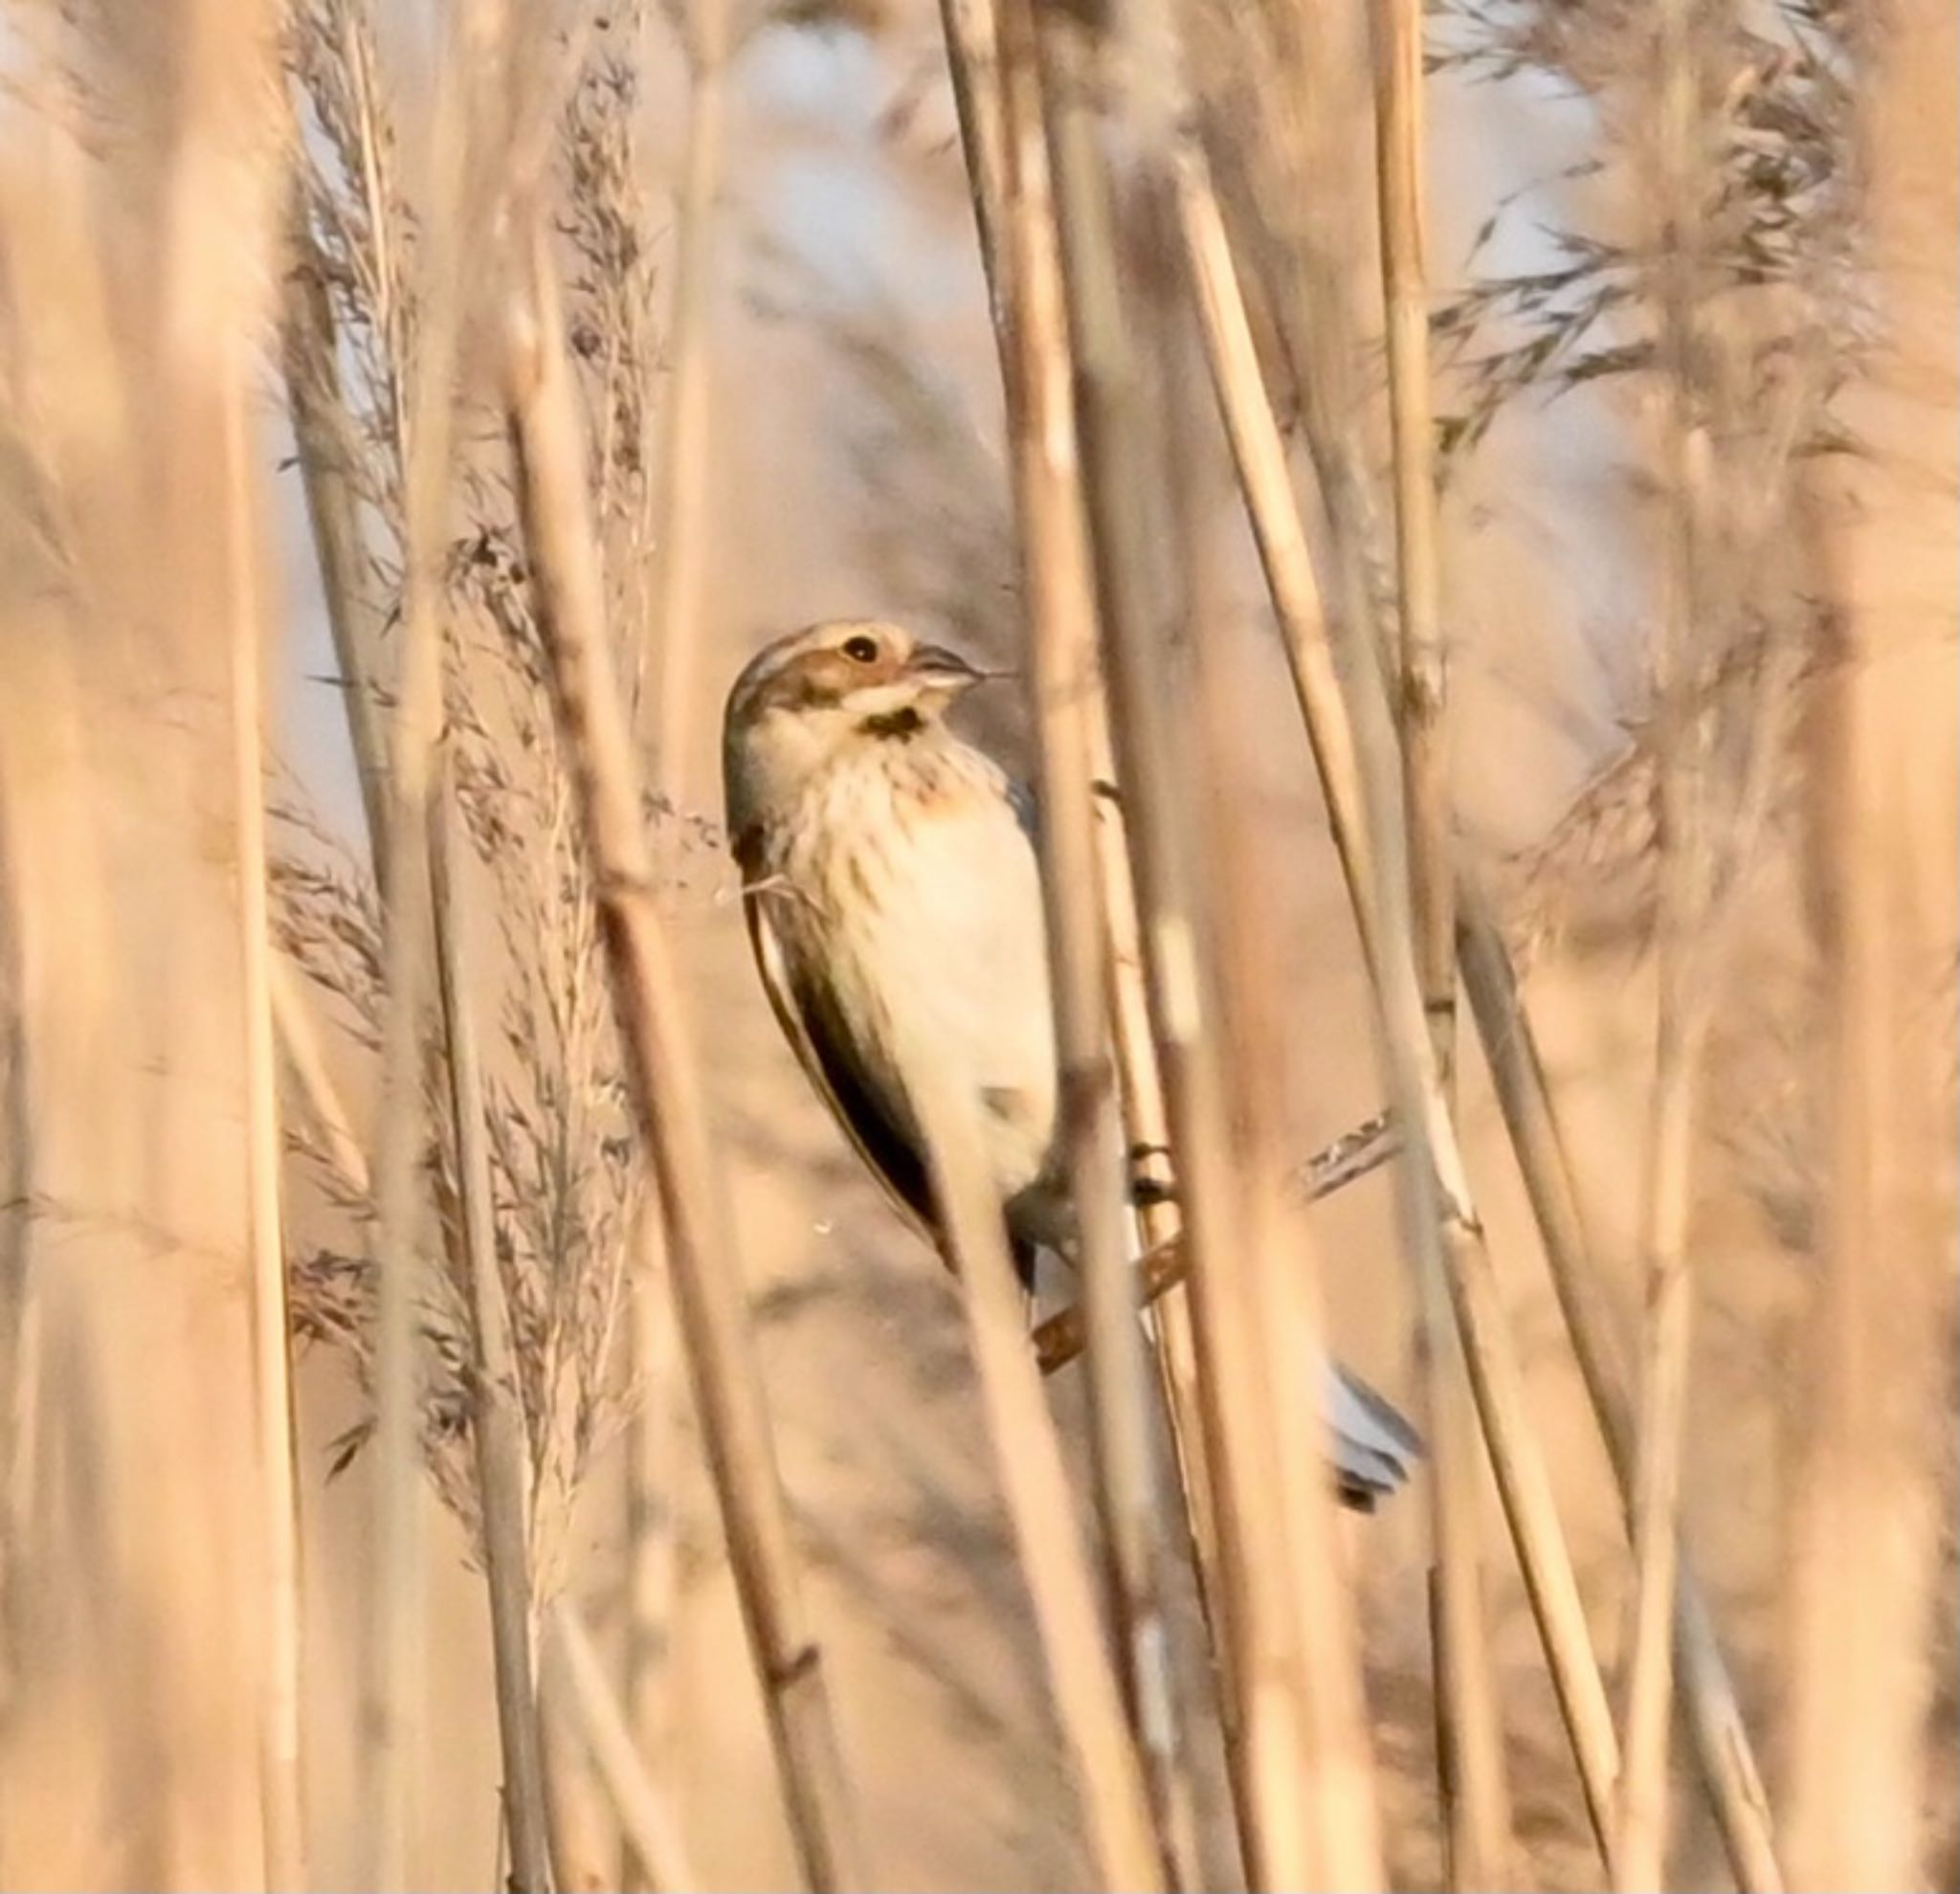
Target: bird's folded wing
{"x":807,"y":1010}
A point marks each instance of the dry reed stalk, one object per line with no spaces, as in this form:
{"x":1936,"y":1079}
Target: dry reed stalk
{"x":280,"y":1750}
{"x":972,"y":56}
{"x":18,"y":1374}
{"x":1147,"y":1127}
{"x":1067,"y":698}
{"x":649,"y":1823}
{"x":585,"y":1824}
{"x":1723,"y":1748}
{"x":968,"y":29}
{"x":1359,"y":787}
{"x":1300,"y":1781}
{"x":684,"y":483}
{"x":149,"y":1730}
{"x":1864,"y":1533}
{"x":654,"y":1471}
{"x":324,"y":436}
{"x":392,"y":1673}
{"x":496,"y":1427}
{"x":683,"y":487}
{"x":1884,"y":836}
{"x":225,"y":59}
{"x":1476,"y":1796}
{"x":1089,"y":1701}
{"x":1254,"y":986}
{"x":664,"y":1080}
{"x":1680,"y":822}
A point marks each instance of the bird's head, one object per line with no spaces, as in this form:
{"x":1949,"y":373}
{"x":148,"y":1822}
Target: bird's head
{"x":805,"y":700}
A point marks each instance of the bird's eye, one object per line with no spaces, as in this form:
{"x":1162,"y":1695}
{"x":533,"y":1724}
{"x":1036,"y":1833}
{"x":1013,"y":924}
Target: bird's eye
{"x":860,"y":650}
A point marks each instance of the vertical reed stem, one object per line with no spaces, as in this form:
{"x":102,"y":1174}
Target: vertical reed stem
{"x":392,"y":1680}
{"x":1089,"y":1701}
{"x":686,"y":485}
{"x":1723,"y":1749}
{"x":1285,"y":1658}
{"x":497,"y":1427}
{"x":1361,"y":803}
{"x":1884,"y":822}
{"x":1470,"y":1726}
{"x":1069,"y":712}
{"x":643,"y":1812}
{"x":664,"y":1077}
{"x":281,"y":1754}
{"x":1683,"y":1006}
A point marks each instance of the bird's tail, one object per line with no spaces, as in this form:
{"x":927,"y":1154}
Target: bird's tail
{"x":1374,"y":1447}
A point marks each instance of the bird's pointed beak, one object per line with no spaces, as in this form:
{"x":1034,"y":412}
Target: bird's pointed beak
{"x":939,"y":669}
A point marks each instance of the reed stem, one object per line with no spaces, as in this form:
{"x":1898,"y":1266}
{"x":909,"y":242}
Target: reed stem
{"x":665,"y":1079}
{"x":1477,"y":1817}
{"x":1362,"y":796}
{"x":496,"y":1424}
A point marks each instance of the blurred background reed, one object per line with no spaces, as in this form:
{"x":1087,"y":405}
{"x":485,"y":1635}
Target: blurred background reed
{"x":1476,"y":481}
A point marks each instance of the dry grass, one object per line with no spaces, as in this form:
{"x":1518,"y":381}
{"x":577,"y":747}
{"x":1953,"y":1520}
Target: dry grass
{"x":349,"y":1117}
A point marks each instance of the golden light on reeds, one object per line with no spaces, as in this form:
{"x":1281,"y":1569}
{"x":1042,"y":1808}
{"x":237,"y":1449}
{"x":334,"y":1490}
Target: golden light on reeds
{"x":335,"y":1118}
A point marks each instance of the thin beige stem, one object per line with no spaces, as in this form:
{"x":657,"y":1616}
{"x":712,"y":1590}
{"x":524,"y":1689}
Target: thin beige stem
{"x":1069,"y":714}
{"x":1147,"y":1126}
{"x":973,"y":65}
{"x":281,"y":1755}
{"x":1089,"y":1701}
{"x":664,"y":1077}
{"x":1476,"y":1793}
{"x":685,"y":471}
{"x":1255,"y":987}
{"x":1399,"y":156}
{"x":586,"y":1831}
{"x":19,"y":1352}
{"x":973,"y":62}
{"x":1866,"y":1550}
{"x":654,"y":1472}
{"x":1690,"y":619}
{"x":643,"y":1811}
{"x":496,"y":1424}
{"x":1361,"y":795}
{"x":1723,"y":1748}
{"x":681,"y":513}
{"x":1300,"y":1779}
{"x":392,"y":1672}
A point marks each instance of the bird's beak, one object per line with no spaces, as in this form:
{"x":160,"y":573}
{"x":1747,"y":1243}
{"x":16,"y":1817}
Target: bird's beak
{"x":939,"y":669}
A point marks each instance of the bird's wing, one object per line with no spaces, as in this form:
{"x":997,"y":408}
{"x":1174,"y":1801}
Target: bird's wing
{"x":1372,"y":1446}
{"x":806,"y":1011}
{"x":1027,"y":811}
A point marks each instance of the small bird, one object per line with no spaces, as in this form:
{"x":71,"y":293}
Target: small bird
{"x":889,"y":872}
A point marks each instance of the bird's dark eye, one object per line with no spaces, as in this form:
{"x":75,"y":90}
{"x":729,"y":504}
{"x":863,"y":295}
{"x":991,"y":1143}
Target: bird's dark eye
{"x":860,"y":650}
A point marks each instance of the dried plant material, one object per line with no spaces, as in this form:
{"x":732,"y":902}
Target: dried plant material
{"x":1868,"y":1547}
{"x":664,"y":1087}
{"x":1471,"y":1774}
{"x":643,"y":1814}
{"x":1357,"y":780}
{"x":145,"y":1521}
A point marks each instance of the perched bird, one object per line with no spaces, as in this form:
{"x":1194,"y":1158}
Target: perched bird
{"x":888,"y":870}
